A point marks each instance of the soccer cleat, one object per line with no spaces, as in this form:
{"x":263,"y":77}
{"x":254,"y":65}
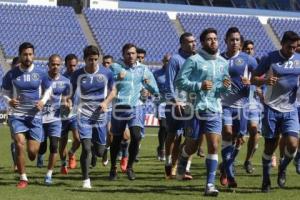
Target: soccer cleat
{"x":113,"y":175}
{"x":40,"y":161}
{"x":281,"y":179}
{"x":48,"y":180}
{"x":210,"y":190}
{"x":248,"y":167}
{"x":130,"y":174}
{"x":231,"y":183}
{"x":223,"y":176}
{"x":22,"y":184}
{"x":86,"y":184}
{"x":266,"y":186}
{"x":64,"y":169}
{"x":105,"y":158}
{"x":123,"y":164}
{"x":72,"y":161}
{"x":168,"y":170}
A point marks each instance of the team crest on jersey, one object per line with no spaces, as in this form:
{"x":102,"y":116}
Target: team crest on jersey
{"x":297,"y":63}
{"x":99,"y":78}
{"x":239,"y":61}
{"x":60,"y":84}
{"x":35,"y":76}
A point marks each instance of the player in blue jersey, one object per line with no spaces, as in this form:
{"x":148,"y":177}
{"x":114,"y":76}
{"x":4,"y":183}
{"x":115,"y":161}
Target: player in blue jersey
{"x":160,"y":77}
{"x":95,"y":88}
{"x":204,"y":77}
{"x":15,"y":63}
{"x":69,"y":123}
{"x":26,"y":89}
{"x":281,"y":69}
{"x":106,"y":62}
{"x":127,"y":110}
{"x":52,"y":112}
{"x":253,"y":113}
{"x":241,"y":65}
{"x":175,"y":100}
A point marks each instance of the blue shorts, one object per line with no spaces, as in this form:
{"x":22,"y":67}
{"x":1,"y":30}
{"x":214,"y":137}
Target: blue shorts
{"x":92,"y":129}
{"x":125,"y":115}
{"x":67,"y":125}
{"x":275,"y":123}
{"x":52,"y":129}
{"x":236,"y":118}
{"x":202,"y":123}
{"x":32,"y":126}
{"x":174,"y":124}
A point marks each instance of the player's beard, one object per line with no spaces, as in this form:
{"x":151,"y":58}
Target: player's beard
{"x":26,"y":63}
{"x":210,"y":50}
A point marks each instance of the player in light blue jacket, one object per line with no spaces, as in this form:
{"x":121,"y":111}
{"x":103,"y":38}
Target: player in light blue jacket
{"x":204,"y":77}
{"x":130,"y":77}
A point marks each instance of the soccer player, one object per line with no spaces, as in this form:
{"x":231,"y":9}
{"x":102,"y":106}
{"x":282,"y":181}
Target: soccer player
{"x":175,"y":100}
{"x":95,"y":88}
{"x":131,"y":76}
{"x":160,"y":77}
{"x":15,"y":63}
{"x":22,"y":88}
{"x":281,"y":69}
{"x":52,"y":112}
{"x":106,"y":62}
{"x":141,"y":54}
{"x":253,"y":113}
{"x":204,"y":77}
{"x":69,"y":123}
{"x":234,"y":119}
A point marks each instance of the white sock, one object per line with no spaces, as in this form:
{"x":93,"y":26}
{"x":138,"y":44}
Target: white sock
{"x":49,"y":173}
{"x":23,"y":177}
{"x":168,"y":161}
{"x":188,"y":166}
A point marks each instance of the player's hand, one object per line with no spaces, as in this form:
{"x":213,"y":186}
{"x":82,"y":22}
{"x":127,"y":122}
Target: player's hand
{"x":272,"y":80}
{"x":207,"y":85}
{"x":179,"y":108}
{"x":122,"y":75}
{"x":145,"y":93}
{"x":226,"y":82}
{"x":245,"y":81}
{"x":14,"y":103}
{"x":103,"y":107}
{"x":39,"y":105}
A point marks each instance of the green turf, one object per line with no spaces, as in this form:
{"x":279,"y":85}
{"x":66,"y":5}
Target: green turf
{"x":150,"y":182}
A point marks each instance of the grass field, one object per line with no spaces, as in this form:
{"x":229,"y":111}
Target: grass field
{"x":150,"y":182}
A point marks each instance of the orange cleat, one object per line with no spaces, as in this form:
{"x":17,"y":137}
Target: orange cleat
{"x":22,"y":184}
{"x":123,"y":164}
{"x":64,"y":169}
{"x":72,"y":161}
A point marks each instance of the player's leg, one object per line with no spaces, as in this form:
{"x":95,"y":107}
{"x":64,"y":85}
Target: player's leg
{"x":63,"y":146}
{"x":53,"y":146}
{"x":75,"y":144}
{"x":162,"y":134}
{"x":290,"y":131}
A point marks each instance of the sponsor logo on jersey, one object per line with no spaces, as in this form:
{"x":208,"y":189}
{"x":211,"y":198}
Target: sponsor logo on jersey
{"x":239,"y":61}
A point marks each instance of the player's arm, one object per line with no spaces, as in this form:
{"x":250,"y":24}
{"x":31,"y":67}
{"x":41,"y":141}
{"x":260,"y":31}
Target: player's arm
{"x":183,"y":82}
{"x":47,"y":86}
{"x":149,"y":82}
{"x":258,"y":79}
{"x":7,"y":92}
{"x":112,"y":93}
